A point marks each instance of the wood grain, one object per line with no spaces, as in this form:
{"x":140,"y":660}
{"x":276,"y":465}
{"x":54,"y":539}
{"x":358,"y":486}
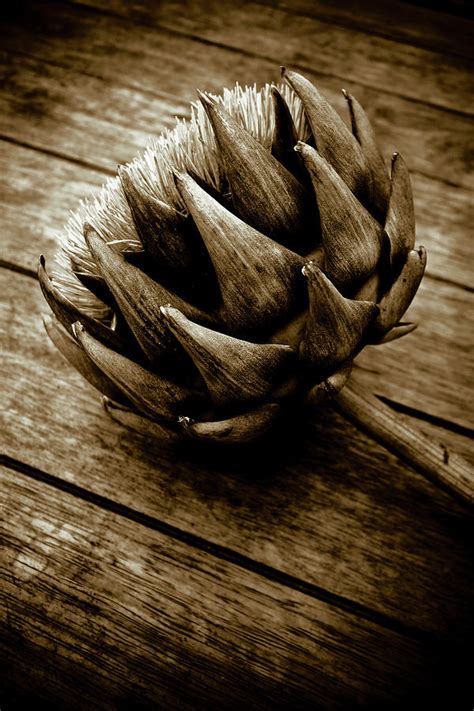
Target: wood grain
{"x":78,"y":116}
{"x":126,"y":618}
{"x":37,"y":193}
{"x":313,"y":570}
{"x":443,"y":224}
{"x":435,"y":363}
{"x":321,"y":503}
{"x":312,"y":43}
{"x":150,"y":60}
{"x":401,"y":21}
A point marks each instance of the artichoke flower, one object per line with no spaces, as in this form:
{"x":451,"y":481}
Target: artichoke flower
{"x":238,"y":267}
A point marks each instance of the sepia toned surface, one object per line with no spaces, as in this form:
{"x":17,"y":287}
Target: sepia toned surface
{"x":318,"y":572}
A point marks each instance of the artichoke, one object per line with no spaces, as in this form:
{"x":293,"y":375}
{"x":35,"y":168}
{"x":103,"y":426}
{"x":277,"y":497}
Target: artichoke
{"x":237,"y":268}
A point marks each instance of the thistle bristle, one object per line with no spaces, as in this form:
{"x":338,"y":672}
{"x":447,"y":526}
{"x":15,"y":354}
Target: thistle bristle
{"x":189,"y":146}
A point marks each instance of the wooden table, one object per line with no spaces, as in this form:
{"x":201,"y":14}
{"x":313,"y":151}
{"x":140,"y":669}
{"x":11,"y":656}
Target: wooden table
{"x":139,"y":574}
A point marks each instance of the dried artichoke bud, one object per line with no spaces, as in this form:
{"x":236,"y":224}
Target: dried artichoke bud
{"x":237,"y":267}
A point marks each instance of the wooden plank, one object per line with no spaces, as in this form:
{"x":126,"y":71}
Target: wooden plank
{"x":77,"y":115}
{"x":104,"y":612}
{"x":37,"y":191}
{"x":322,"y":503}
{"x":132,"y":60}
{"x":312,"y":43}
{"x":444,"y":215}
{"x":436,"y":360}
{"x":401,"y":21}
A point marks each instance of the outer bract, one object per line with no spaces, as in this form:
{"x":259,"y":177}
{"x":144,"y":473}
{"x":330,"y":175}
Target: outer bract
{"x":238,"y":266}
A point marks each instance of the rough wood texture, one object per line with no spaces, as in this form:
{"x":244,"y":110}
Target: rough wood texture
{"x":402,"y":369}
{"x":76,"y":115}
{"x":316,"y":572}
{"x":434,"y":140}
{"x":37,"y":193}
{"x":395,"y":20}
{"x":342,"y":52}
{"x":129,"y":619}
{"x":331,"y":480}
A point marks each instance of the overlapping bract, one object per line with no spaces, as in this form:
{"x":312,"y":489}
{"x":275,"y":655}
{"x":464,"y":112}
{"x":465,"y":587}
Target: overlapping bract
{"x":238,"y":299}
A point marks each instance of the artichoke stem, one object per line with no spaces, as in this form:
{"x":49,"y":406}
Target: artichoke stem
{"x":432,"y":459}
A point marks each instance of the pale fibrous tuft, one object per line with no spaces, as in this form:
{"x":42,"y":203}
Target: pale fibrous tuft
{"x":189,"y":146}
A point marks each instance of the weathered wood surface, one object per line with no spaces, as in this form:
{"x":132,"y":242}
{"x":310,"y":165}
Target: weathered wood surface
{"x":310,"y":43}
{"x":37,"y":193}
{"x":129,"y":618}
{"x":433,"y":370}
{"x":402,"y":21}
{"x":203,"y":581}
{"x":434,"y":140}
{"x":331,"y":480}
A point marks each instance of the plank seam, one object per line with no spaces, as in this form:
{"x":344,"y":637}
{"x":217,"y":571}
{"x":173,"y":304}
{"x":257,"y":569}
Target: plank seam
{"x":95,"y":75}
{"x":255,"y":55}
{"x":427,"y":417}
{"x":450,"y":282}
{"x":61,"y":156}
{"x":439,"y":179}
{"x":18,"y":268}
{"x":223,"y":553}
{"x":398,"y":38}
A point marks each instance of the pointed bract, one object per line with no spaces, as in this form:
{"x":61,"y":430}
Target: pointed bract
{"x":333,"y":139}
{"x":137,"y":422}
{"x":400,"y":221}
{"x":235,"y":371}
{"x":291,"y":332}
{"x":235,"y":430}
{"x":335,"y":325}
{"x":400,"y":295}
{"x":156,"y":396}
{"x":67,"y":313}
{"x":260,"y":280}
{"x":351,"y":236}
{"x":75,"y":354}
{"x":328,"y":388}
{"x":98,"y":287}
{"x":285,"y":138}
{"x":398,"y":331}
{"x":377,"y":184}
{"x":225,"y":198}
{"x":139,"y":298}
{"x":264,"y":193}
{"x":161,"y":229}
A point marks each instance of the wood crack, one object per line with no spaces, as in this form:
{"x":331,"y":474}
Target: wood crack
{"x":223,"y":553}
{"x":57,"y":154}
